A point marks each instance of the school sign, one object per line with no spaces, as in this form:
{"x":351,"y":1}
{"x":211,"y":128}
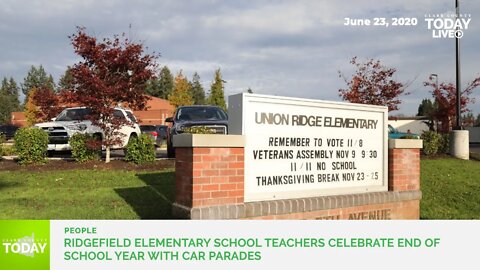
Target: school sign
{"x":292,"y":158}
{"x":298,"y":148}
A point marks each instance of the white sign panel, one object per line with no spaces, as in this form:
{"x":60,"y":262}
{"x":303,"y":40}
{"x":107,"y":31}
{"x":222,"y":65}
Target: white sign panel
{"x":299,"y":148}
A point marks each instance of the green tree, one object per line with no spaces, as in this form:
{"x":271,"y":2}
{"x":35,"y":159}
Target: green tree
{"x":425,"y":108}
{"x":217,"y":96}
{"x":8,"y":99}
{"x":197,"y":90}
{"x":249,"y":90}
{"x":36,"y":78}
{"x":66,"y":82}
{"x":428,"y":109}
{"x":162,"y":86}
{"x":182,"y":92}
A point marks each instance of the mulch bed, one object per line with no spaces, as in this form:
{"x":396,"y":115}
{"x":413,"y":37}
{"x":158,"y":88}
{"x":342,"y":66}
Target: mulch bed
{"x":54,"y":165}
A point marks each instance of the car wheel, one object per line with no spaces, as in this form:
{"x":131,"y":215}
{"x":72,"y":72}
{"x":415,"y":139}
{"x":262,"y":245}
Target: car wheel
{"x":170,"y":151}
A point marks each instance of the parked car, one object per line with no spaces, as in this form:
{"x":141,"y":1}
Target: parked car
{"x":8,"y":131}
{"x":161,"y":135}
{"x":211,"y":117}
{"x":151,"y":130}
{"x":393,"y":133}
{"x":74,"y":120}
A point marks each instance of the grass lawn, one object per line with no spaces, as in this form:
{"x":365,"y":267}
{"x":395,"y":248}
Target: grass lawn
{"x":86,"y":194}
{"x":451,"y":189}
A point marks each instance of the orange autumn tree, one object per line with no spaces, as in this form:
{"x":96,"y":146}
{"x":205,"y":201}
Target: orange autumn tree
{"x":31,"y":110}
{"x":182,"y":92}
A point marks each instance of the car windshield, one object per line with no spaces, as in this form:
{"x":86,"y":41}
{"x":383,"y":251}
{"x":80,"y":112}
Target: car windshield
{"x":131,"y":117}
{"x":201,"y":113}
{"x":73,"y":114}
{"x":391,"y":129}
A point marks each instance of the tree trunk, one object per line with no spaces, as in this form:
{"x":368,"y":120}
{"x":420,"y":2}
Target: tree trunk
{"x":107,"y":154}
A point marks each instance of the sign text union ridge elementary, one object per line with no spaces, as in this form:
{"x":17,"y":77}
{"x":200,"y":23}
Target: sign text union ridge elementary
{"x":313,"y":121}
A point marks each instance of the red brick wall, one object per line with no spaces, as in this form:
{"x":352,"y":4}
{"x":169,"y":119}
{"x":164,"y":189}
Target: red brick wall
{"x":209,"y":176}
{"x":403,"y":169}
{"x":210,"y":185}
{"x":396,"y":210}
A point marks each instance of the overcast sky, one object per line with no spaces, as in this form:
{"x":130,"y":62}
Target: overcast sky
{"x":289,"y":48}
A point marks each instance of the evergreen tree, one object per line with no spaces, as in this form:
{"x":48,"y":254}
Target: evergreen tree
{"x":5,"y":110}
{"x":66,"y":82}
{"x":8,"y":99}
{"x":425,"y":108}
{"x":217,"y":96}
{"x":12,"y":91}
{"x":428,"y":109}
{"x":153,"y":87}
{"x":197,"y":90}
{"x":477,"y":120}
{"x":162,"y":86}
{"x":182,"y":92}
{"x":37,"y":77}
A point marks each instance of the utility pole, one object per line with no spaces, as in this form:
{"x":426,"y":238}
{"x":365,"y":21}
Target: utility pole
{"x":459,"y":139}
{"x":458,"y":124}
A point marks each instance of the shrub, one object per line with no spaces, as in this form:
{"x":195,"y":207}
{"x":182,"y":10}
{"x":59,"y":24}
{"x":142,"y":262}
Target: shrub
{"x":2,"y":140}
{"x":431,"y":142}
{"x":140,"y":149}
{"x":444,"y":146}
{"x":31,"y":145}
{"x":85,"y":147}
{"x":409,"y":137}
{"x":7,"y":150}
{"x":199,"y":130}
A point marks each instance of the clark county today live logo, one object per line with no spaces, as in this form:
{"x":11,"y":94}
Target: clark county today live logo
{"x":447,"y":25}
{"x":25,"y":244}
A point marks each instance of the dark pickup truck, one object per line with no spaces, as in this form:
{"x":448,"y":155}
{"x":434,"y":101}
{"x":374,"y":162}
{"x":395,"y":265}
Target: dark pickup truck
{"x":211,"y":117}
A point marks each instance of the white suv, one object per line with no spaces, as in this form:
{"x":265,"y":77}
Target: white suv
{"x":72,"y":120}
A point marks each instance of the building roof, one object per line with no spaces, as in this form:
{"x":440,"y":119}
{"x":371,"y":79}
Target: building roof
{"x":156,"y":103}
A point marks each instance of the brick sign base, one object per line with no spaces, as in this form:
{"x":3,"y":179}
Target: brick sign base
{"x":210,"y":184}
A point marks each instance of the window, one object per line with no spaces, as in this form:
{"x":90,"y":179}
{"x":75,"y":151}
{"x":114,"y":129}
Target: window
{"x":201,"y":113}
{"x":131,"y":117}
{"x":73,"y":114}
{"x":118,"y":114}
